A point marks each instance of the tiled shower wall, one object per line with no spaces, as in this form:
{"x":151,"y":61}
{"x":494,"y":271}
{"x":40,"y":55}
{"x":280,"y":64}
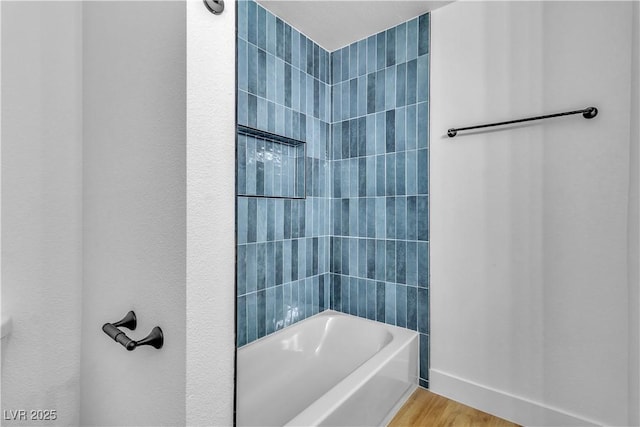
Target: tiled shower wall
{"x":358,"y":242}
{"x":283,"y":243}
{"x":380,"y":225}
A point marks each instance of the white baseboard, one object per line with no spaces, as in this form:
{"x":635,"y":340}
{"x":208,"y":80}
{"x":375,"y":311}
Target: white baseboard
{"x":510,"y":407}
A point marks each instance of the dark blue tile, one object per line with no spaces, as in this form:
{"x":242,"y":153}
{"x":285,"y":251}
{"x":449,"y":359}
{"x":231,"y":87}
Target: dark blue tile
{"x":371,"y":299}
{"x":401,"y":261}
{"x":401,"y":85}
{"x":336,"y":292}
{"x":261,"y":253}
{"x":401,"y":218}
{"x":344,"y":52}
{"x":423,"y":78}
{"x":422,"y":208}
{"x":412,"y":218}
{"x":346,"y":265}
{"x":391,"y":261}
{"x":424,"y":356}
{"x":423,"y":34}
{"x":380,"y":301}
{"x":279,"y":263}
{"x":391,"y":46}
{"x":345,"y":297}
{"x":412,"y":308}
{"x":371,"y":93}
{"x":279,"y":38}
{"x":423,"y":310}
{"x":390,"y":131}
{"x":381,"y":253}
{"x":287,"y":44}
{"x":401,"y":306}
{"x":241,"y":323}
{"x":412,"y":75}
{"x":423,"y":264}
{"x":423,"y":171}
{"x":412,"y":264}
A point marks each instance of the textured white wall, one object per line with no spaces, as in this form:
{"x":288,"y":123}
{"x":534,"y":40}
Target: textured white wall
{"x":210,"y":214}
{"x":634,"y":232}
{"x":134,"y":203}
{"x":529,"y":225}
{"x":41,"y":206}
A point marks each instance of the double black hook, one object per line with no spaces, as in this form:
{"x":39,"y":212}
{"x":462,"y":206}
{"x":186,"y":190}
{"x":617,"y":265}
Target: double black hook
{"x":154,"y":339}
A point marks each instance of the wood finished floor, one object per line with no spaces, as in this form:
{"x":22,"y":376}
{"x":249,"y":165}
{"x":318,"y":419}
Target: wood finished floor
{"x":424,"y":408}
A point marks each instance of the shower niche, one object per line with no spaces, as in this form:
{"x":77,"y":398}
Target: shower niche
{"x":270,"y":165}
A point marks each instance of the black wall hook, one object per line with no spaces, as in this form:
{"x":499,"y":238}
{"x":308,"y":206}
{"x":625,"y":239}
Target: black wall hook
{"x":154,"y":339}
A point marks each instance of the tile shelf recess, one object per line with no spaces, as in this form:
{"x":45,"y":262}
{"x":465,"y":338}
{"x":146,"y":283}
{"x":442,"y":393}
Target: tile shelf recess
{"x":274,"y":164}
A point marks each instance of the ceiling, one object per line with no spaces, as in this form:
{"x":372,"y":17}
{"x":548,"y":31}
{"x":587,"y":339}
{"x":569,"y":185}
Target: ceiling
{"x":338,"y":23}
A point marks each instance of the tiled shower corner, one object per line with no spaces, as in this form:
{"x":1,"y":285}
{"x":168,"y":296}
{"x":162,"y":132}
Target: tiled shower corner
{"x":357,"y":239}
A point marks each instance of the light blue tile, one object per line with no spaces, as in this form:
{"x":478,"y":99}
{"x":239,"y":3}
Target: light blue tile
{"x":371,"y":54}
{"x":380,"y":90}
{"x":412,"y":264}
{"x":423,"y":125}
{"x":362,"y":57}
{"x":401,"y":85}
{"x":401,"y":43}
{"x":412,"y":308}
{"x":390,"y":215}
{"x":241,"y":310}
{"x":381,"y":255}
{"x":251,"y":269}
{"x":390,"y":88}
{"x":412,"y":39}
{"x":412,"y":75}
{"x":423,"y":172}
{"x":371,"y":176}
{"x":390,"y":303}
{"x":242,"y":19}
{"x":401,"y":306}
{"x":381,"y":224}
{"x":400,"y":129}
{"x":242,"y":65}
{"x":261,"y":40}
{"x":381,"y":133}
{"x":353,"y":60}
{"x":412,"y":173}
{"x":381,"y":46}
{"x":243,"y":108}
{"x":423,"y":264}
{"x":242,"y":219}
{"x":401,"y":219}
{"x":411,"y":127}
{"x":362,"y":96}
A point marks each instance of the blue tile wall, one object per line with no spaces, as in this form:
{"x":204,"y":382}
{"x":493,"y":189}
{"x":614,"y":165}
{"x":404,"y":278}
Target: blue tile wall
{"x":359,"y":240}
{"x":282,"y":243}
{"x":380,"y":189}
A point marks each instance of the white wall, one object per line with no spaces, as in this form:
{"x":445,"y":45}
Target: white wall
{"x":134,"y":202}
{"x":41,"y":206}
{"x":210,"y":214}
{"x":529,"y":226}
{"x":634,"y":232}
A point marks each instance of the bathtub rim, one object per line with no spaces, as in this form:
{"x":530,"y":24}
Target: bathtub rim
{"x":320,"y":409}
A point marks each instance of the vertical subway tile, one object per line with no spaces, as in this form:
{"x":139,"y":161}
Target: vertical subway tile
{"x":401,"y":261}
{"x":252,"y":22}
{"x":362,"y":57}
{"x":423,"y":34}
{"x":423,"y":310}
{"x":401,"y":43}
{"x":412,"y":39}
{"x":390,"y":131}
{"x":390,"y":260}
{"x":362,"y":298}
{"x":261,"y":30}
{"x":422,"y":209}
{"x":401,"y":306}
{"x":400,"y":173}
{"x":412,"y":73}
{"x":412,"y":219}
{"x":423,"y":78}
{"x":390,"y":303}
{"x":390,"y":88}
{"x":412,"y":308}
{"x":423,"y":264}
{"x":381,"y":256}
{"x":411,"y":264}
{"x":423,"y":125}
{"x":241,"y":310}
{"x":401,"y":218}
{"x":424,"y":356}
{"x":381,"y":56}
{"x":391,"y":46}
{"x":252,"y":317}
{"x":380,"y":301}
{"x":423,"y":171}
{"x":390,"y":174}
{"x":401,"y":85}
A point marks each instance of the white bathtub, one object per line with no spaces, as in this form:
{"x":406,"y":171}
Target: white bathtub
{"x":330,"y":369}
